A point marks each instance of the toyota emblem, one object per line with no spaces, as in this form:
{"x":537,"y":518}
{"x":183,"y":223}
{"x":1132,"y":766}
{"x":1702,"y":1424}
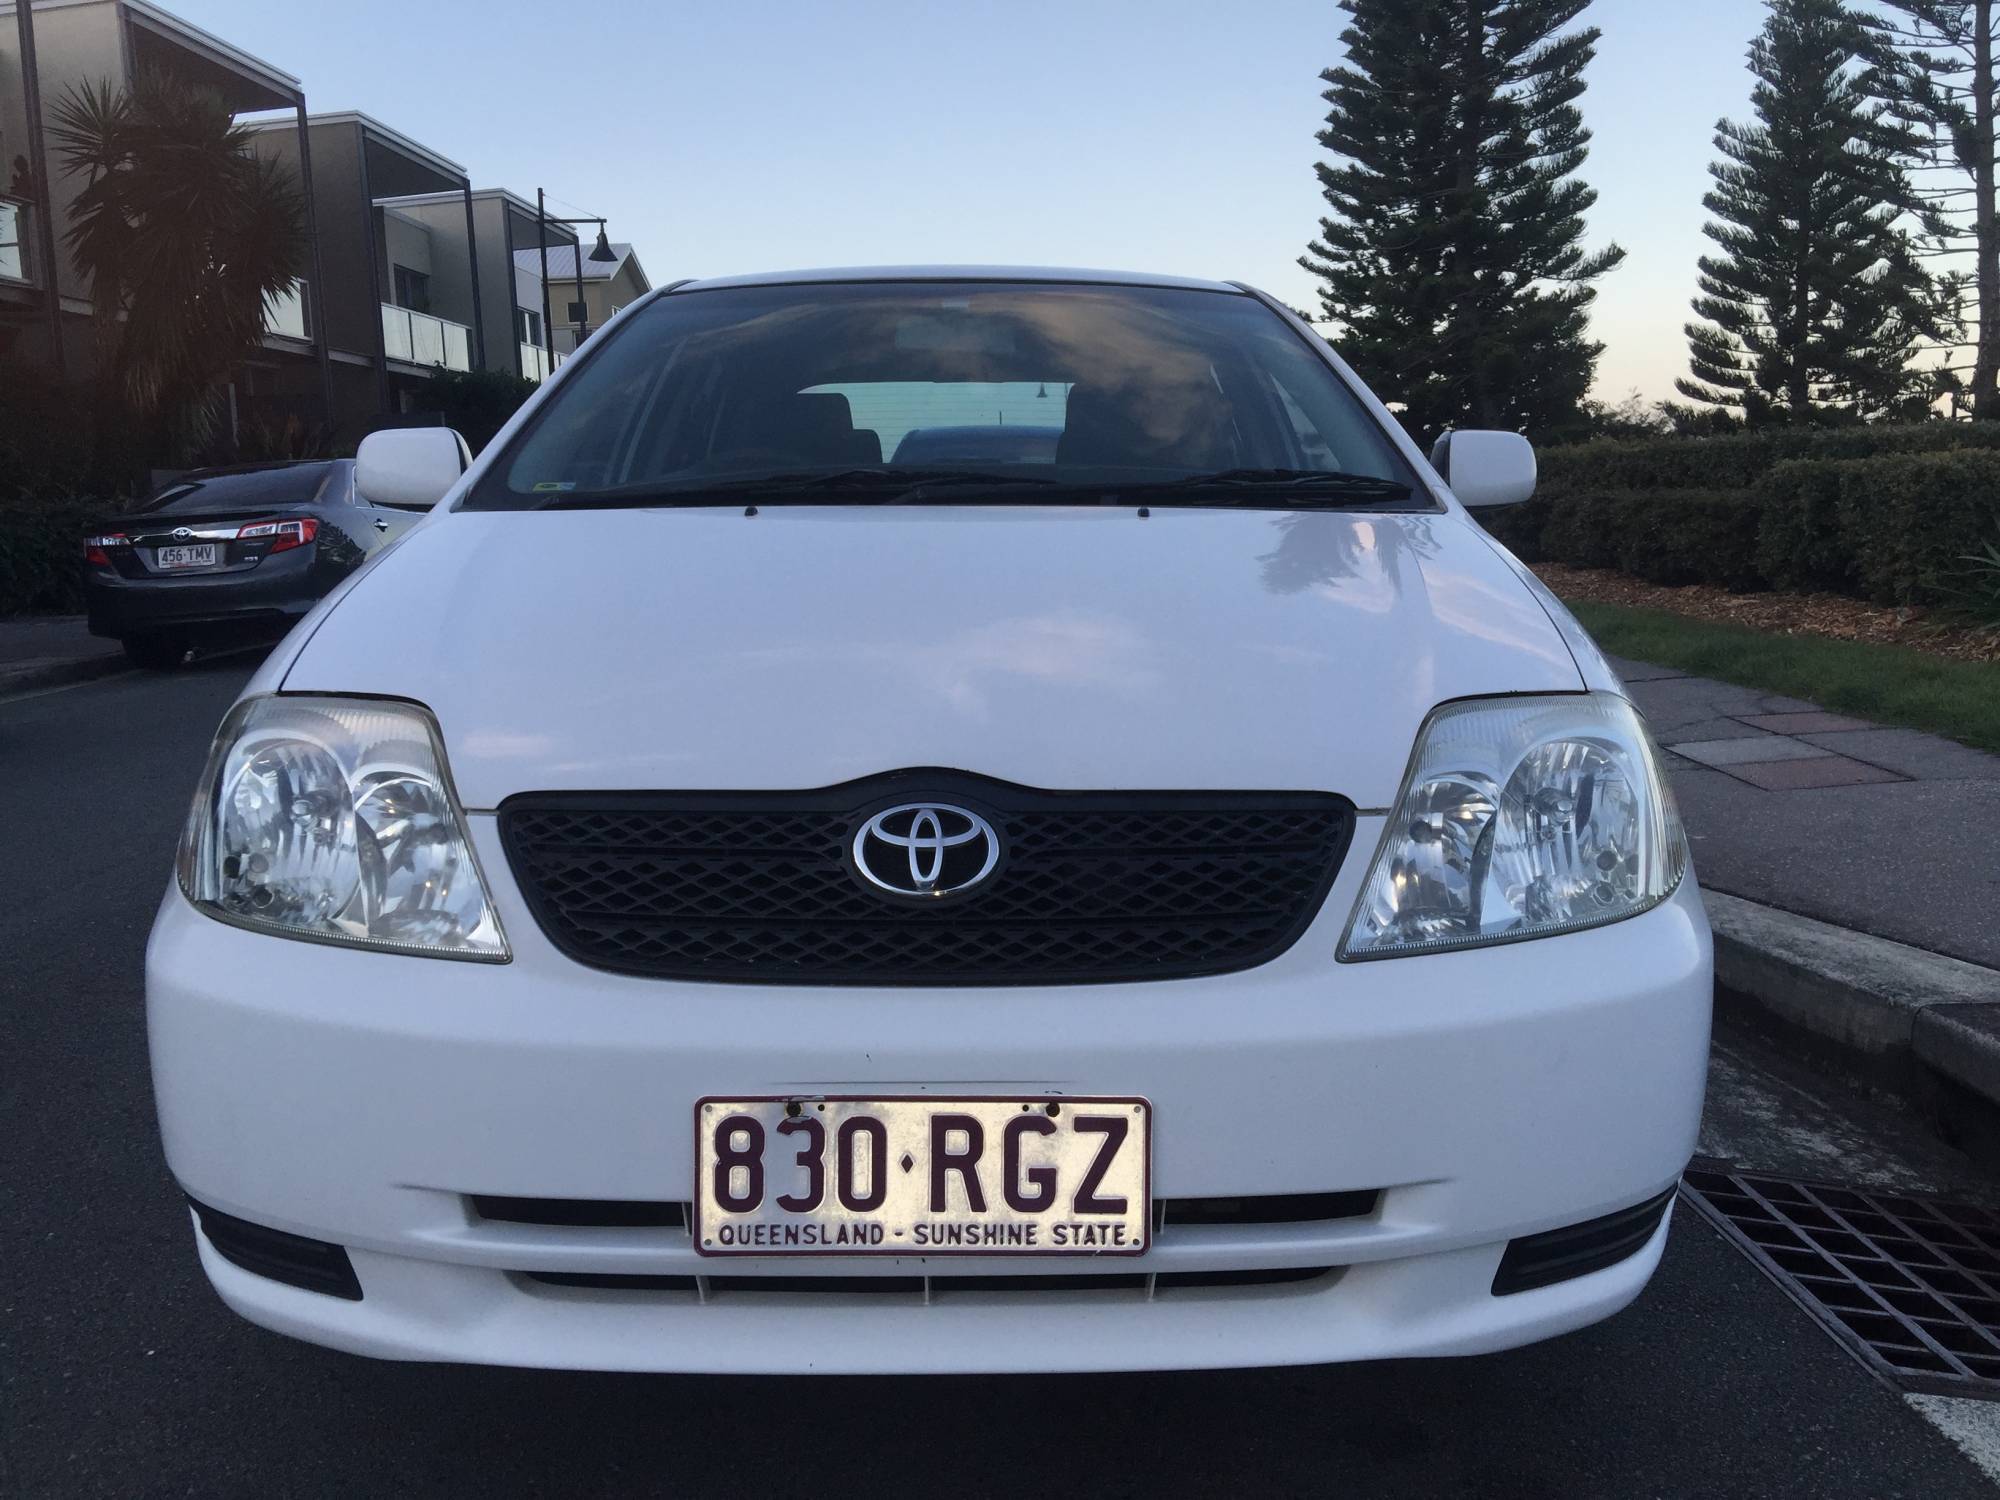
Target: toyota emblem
{"x":926,"y":849}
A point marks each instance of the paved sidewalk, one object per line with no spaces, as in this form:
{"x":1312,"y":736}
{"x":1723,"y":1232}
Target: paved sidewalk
{"x":44,"y":650}
{"x":1887,"y":831}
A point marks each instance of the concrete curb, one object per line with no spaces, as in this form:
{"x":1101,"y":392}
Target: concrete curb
{"x":27,"y":676}
{"x":1903,"y":1017}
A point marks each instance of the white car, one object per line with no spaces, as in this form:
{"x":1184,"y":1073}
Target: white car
{"x":1162,"y":889}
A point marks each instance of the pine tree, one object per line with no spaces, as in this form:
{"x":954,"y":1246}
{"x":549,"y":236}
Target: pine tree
{"x":1947,"y":89}
{"x":1819,"y":300}
{"x":1453,"y":259}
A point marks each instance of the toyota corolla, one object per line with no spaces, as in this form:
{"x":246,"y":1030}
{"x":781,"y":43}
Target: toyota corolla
{"x":932,"y":820}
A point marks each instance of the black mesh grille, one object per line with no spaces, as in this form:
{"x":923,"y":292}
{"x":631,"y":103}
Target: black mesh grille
{"x":761,"y":887}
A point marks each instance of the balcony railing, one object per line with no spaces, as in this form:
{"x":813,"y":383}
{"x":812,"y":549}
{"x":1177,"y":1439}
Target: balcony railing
{"x":421,"y":339}
{"x":15,"y":222}
{"x":285,"y":313}
{"x":537,"y":363}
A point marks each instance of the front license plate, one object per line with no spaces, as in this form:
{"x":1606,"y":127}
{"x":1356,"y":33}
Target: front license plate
{"x":923,"y":1176}
{"x":202,"y":556}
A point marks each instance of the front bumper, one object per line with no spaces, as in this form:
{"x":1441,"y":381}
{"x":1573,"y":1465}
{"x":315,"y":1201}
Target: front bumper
{"x":361,"y":1098}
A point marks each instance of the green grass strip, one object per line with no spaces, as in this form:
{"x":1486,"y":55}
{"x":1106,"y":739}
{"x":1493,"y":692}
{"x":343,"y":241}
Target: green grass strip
{"x":1889,"y":684}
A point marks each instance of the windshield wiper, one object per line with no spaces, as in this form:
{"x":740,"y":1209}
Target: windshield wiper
{"x":1279,"y":481}
{"x":1287,"y":489}
{"x":903,"y":484}
{"x":887,"y":485}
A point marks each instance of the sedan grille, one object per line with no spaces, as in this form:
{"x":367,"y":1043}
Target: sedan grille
{"x":762,"y":886}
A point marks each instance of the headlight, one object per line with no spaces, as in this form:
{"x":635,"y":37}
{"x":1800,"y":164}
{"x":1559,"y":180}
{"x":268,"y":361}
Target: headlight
{"x":1520,"y":818}
{"x":333,"y":819}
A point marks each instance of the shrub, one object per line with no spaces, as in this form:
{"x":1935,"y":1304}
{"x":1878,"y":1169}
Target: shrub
{"x":476,"y":403}
{"x":1586,"y":531}
{"x":1692,"y":536}
{"x":1800,"y":544}
{"x":41,"y":554}
{"x":1670,"y":537}
{"x":1519,"y":527}
{"x":1739,"y":460}
{"x":1909,"y":522}
{"x":1980,"y":591}
{"x":48,"y":455}
{"x":1896,"y":528}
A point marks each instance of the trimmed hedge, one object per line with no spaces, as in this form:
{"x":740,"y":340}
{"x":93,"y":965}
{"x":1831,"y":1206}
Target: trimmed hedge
{"x":1739,"y":460}
{"x":1686,"y":536}
{"x":1909,"y":523}
{"x":1895,"y":528}
{"x":1800,"y":545}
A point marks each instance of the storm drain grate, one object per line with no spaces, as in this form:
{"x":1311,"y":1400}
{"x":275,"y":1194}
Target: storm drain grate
{"x":1910,"y":1284}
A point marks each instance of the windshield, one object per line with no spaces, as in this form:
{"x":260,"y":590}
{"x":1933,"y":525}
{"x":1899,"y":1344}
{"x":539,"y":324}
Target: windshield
{"x":857,"y":386}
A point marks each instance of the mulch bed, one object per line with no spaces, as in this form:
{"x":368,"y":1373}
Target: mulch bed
{"x":1830,"y":615}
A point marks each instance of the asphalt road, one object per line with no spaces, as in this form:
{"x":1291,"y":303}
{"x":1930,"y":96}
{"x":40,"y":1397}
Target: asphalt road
{"x":120,"y":1373}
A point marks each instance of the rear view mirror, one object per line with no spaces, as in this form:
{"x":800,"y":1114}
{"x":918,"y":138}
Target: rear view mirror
{"x":1486,"y":468}
{"x":409,"y":467}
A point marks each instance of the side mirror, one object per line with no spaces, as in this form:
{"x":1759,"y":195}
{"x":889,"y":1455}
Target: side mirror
{"x":1486,"y":468}
{"x":409,"y":467}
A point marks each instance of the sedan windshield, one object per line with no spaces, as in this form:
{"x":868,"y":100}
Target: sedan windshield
{"x":951,"y":392}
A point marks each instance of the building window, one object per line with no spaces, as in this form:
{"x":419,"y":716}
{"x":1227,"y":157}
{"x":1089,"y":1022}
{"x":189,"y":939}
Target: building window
{"x":13,"y":263}
{"x":413,"y":289}
{"x":528,"y":325}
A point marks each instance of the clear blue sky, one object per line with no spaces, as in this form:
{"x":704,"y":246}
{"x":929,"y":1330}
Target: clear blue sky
{"x":1140,"y":134}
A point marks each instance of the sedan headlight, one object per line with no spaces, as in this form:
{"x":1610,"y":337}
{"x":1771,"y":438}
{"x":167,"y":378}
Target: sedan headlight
{"x":333,"y":819}
{"x":1520,"y":818}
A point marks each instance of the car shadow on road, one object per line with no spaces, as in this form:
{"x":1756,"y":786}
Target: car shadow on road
{"x":1714,"y":1383}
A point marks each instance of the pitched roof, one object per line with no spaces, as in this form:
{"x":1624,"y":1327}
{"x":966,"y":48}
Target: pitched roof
{"x":562,"y":263}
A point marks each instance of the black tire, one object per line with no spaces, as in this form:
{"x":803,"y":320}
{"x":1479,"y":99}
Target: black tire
{"x":156,"y":653}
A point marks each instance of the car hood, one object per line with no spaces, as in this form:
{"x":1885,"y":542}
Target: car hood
{"x":1062,"y":648}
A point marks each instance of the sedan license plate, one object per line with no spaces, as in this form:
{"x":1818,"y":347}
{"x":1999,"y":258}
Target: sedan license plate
{"x":923,"y":1176}
{"x":201,"y":556}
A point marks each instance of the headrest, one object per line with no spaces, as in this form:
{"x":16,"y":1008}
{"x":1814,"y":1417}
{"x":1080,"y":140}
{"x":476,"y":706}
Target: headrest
{"x":1106,"y":429}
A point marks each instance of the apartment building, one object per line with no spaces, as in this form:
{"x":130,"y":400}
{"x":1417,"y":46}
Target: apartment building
{"x":410,"y":268}
{"x":417,"y":266}
{"x":504,"y":234}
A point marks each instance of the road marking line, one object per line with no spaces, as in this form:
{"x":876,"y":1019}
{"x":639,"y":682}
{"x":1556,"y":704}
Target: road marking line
{"x":64,"y":687}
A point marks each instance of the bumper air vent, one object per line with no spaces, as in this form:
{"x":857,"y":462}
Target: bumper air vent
{"x":293,"y":1259}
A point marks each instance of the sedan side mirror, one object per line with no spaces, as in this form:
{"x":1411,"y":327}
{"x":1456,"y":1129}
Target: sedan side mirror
{"x":409,"y":467}
{"x":1486,"y":468}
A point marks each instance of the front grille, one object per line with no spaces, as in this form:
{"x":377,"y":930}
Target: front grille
{"x":760,"y":886}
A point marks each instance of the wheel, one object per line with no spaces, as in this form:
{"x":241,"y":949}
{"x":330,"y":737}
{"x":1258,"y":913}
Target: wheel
{"x":156,"y":653}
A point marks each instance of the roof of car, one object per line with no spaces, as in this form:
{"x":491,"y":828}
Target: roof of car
{"x":961,"y":273}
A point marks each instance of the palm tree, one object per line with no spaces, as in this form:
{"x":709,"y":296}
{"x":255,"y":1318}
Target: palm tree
{"x":183,"y":233}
